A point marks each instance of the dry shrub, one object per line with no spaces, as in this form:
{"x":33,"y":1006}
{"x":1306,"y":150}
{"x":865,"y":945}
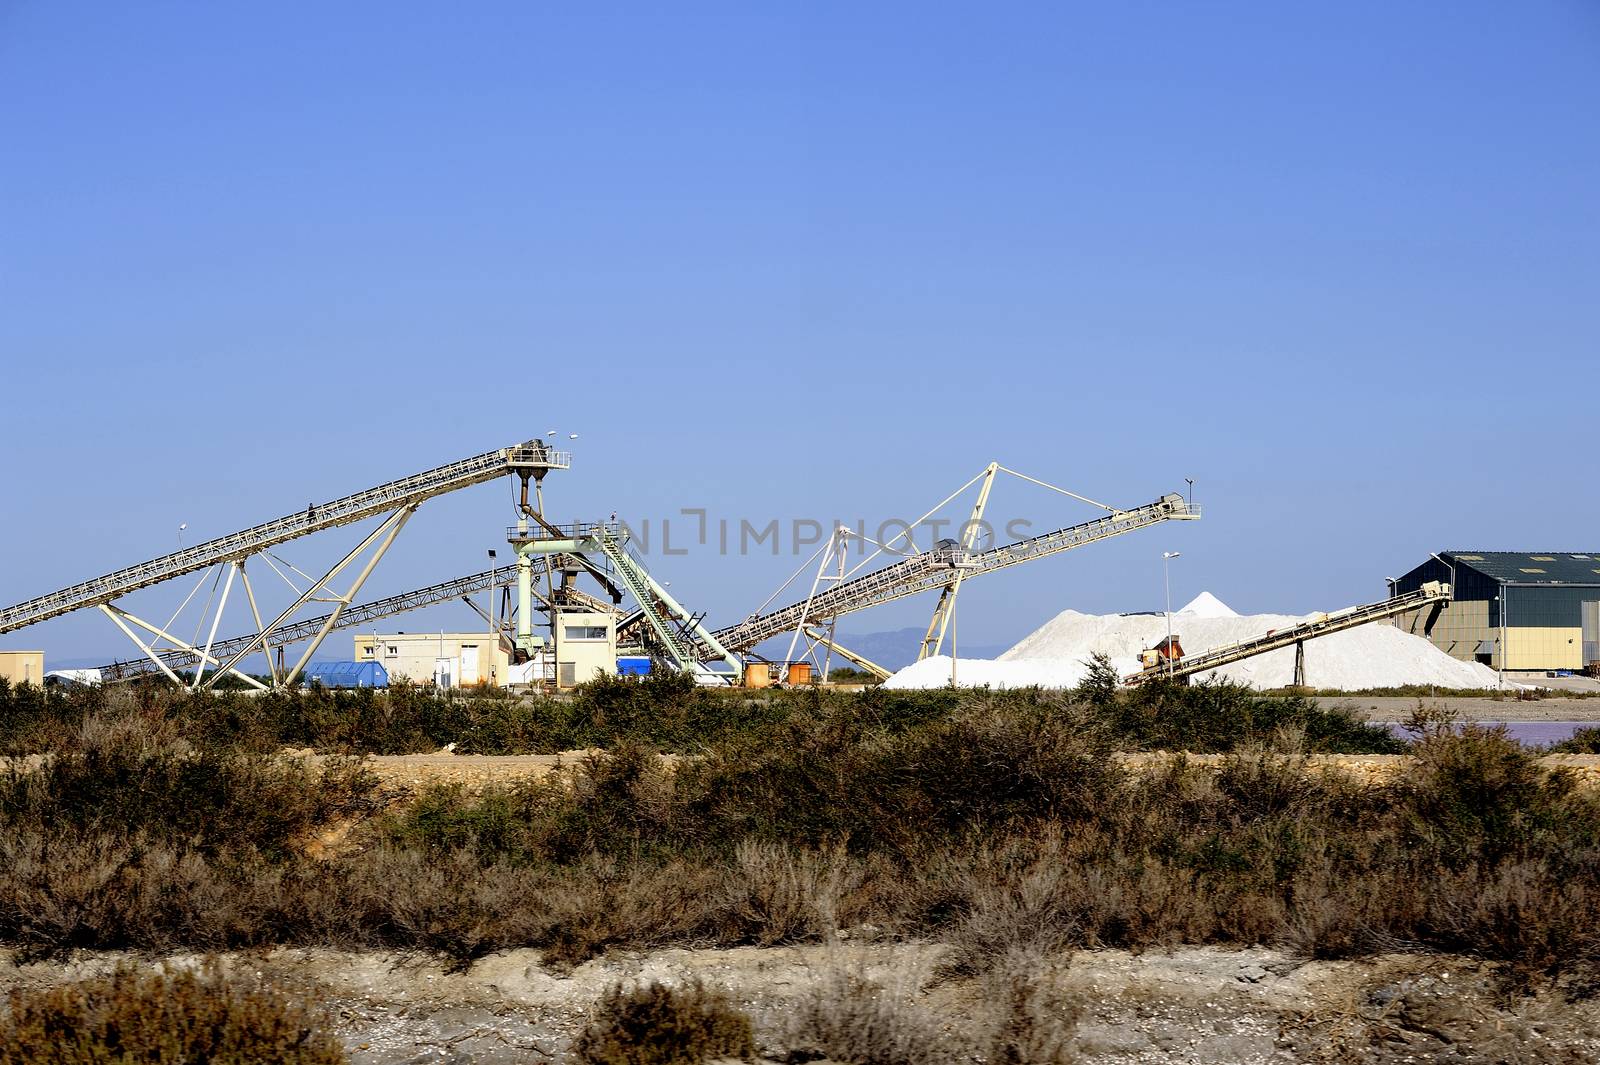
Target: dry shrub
{"x":848,"y":1017}
{"x":1022,"y":1017}
{"x":786,"y":894}
{"x":1023,"y":897}
{"x":661,"y":1025}
{"x":162,"y":1017}
{"x":1031,"y":1021}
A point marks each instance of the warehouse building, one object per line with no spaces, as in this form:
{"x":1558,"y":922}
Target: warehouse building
{"x":448,"y":659}
{"x":1511,"y":610}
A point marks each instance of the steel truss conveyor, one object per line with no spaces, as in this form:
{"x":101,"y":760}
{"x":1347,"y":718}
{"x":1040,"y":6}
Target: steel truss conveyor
{"x":1295,"y":636}
{"x":462,"y":588}
{"x":395,"y":496}
{"x":940,"y":568}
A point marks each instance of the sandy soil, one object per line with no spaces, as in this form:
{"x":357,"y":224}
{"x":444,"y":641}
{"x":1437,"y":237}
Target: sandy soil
{"x":403,"y":774}
{"x":1193,"y":1005}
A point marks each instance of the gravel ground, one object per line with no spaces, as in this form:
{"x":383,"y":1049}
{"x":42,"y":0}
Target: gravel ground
{"x":1193,"y":1005}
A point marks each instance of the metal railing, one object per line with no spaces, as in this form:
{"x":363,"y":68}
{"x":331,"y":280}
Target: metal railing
{"x":534,"y":456}
{"x":576,"y":530}
{"x":407,"y":491}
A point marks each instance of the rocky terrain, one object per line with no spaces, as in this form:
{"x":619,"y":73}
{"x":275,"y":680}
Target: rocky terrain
{"x":1193,"y":1005}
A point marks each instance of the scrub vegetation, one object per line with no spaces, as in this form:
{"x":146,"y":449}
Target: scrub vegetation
{"x":144,"y":1018}
{"x":1002,"y":824}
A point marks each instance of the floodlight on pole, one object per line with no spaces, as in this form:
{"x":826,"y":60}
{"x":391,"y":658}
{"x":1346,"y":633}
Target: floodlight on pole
{"x":489,"y":616}
{"x":1166,"y":579}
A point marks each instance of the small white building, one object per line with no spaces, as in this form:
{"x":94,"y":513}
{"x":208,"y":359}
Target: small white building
{"x":447,"y":659}
{"x":586,"y":647}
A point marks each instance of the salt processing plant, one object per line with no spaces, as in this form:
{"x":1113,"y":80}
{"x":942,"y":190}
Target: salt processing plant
{"x":579,"y":601}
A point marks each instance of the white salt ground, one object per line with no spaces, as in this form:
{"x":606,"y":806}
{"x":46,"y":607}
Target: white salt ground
{"x":1372,"y":656}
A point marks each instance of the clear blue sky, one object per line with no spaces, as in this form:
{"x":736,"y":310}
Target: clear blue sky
{"x":1340,"y":263}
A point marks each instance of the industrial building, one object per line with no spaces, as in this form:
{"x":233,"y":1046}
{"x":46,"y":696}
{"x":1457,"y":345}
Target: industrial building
{"x":448,"y":659}
{"x":585,"y":646}
{"x":1511,"y":610}
{"x":22,"y":667}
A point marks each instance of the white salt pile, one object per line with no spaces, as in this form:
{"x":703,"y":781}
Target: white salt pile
{"x":1376,"y":655}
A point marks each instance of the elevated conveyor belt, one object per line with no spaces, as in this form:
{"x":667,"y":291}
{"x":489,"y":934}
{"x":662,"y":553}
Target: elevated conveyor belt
{"x":1322,"y":625}
{"x":408,"y":491}
{"x":934,"y":570}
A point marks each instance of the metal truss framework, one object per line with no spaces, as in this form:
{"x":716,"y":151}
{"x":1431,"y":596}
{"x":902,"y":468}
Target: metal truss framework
{"x":398,"y":500}
{"x":182,"y":658}
{"x":183,"y":654}
{"x":940,"y":567}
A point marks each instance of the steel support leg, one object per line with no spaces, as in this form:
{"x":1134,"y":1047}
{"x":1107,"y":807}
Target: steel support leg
{"x":216,"y":619}
{"x":396,"y":523}
{"x":112,"y":614}
{"x":255,"y":612}
{"x":933,"y":641}
{"x":180,"y":645}
{"x":387,"y":528}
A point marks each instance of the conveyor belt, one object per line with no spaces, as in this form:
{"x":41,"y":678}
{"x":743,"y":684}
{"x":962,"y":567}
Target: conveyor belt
{"x":385,"y":498}
{"x":1323,"y":625}
{"x":934,"y":569}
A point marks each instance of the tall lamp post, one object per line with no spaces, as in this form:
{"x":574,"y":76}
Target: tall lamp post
{"x":493,"y":571}
{"x":1166,"y":579}
{"x":494,"y":628}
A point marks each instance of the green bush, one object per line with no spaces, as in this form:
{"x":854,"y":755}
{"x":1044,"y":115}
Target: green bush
{"x":131,"y":777}
{"x":1582,"y":741}
{"x":163,"y":1018}
{"x":660,"y":1025}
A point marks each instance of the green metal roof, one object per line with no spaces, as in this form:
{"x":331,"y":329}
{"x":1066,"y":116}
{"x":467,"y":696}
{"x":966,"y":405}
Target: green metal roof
{"x":1536,"y":567}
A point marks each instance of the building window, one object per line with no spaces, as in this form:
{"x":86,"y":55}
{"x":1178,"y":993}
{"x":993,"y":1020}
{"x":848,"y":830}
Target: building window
{"x":391,"y":651}
{"x":584,"y":632}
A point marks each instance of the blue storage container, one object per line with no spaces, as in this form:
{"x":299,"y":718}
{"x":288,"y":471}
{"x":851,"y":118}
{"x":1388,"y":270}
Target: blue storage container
{"x":633,"y":667}
{"x":347,"y":674}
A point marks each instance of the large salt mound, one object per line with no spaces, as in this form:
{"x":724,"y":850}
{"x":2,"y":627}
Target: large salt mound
{"x":1206,"y":605}
{"x":1371,"y":656}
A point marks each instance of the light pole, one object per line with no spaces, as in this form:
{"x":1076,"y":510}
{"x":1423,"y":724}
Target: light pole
{"x":1191,"y":490}
{"x":493,"y":628}
{"x":1166,"y":579}
{"x":955,"y":651}
{"x":1505,"y":608}
{"x":1451,"y":566}
{"x":181,"y":526}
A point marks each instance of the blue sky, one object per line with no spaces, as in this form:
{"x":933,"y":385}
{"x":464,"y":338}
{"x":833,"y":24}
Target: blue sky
{"x":1337,"y":262}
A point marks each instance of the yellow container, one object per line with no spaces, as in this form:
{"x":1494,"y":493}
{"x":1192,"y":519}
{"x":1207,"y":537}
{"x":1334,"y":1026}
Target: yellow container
{"x":756,"y":675}
{"x":799,"y":673}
